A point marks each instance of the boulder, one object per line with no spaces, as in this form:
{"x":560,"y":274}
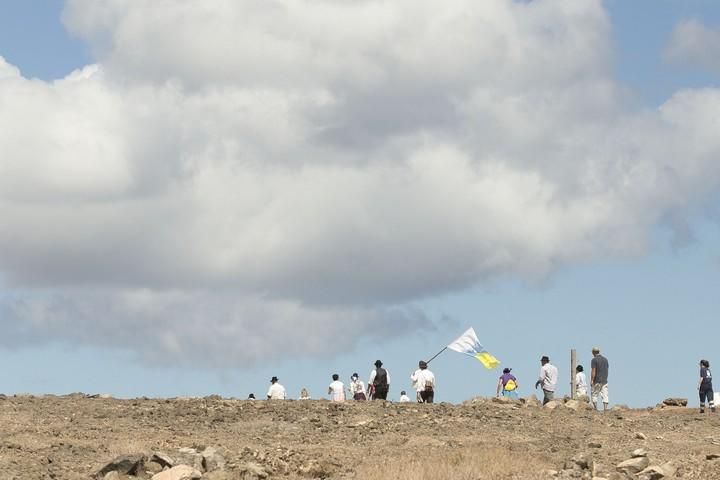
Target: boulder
{"x":639,"y":452}
{"x":125,"y":464}
{"x":640,"y":436}
{"x":675,"y":402}
{"x":163,"y":459}
{"x":656,"y":472}
{"x":252,"y":471}
{"x":552,"y":404}
{"x":189,"y":456}
{"x":531,"y":401}
{"x":180,"y":472}
{"x":633,"y":465}
{"x":112,"y":476}
{"x":212,"y":460}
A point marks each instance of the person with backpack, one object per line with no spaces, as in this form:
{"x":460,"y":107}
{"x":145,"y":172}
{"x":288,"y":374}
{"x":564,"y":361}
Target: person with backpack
{"x":379,"y":382}
{"x":508,"y":384}
{"x":423,"y":381}
{"x":705,"y":387}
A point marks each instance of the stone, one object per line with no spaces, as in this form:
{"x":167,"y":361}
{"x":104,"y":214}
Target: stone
{"x":163,"y":459}
{"x":531,"y":400}
{"x":640,"y":436}
{"x":189,"y":456}
{"x":712,"y":456}
{"x":583,"y":461}
{"x":675,"y":402}
{"x":595,"y":445}
{"x":180,"y":472}
{"x":153,"y":467}
{"x":125,"y":464}
{"x":212,"y":460}
{"x":112,"y":476}
{"x":552,"y":405}
{"x":639,"y":452}
{"x":633,"y":465}
{"x":656,"y":472}
{"x":252,"y":471}
{"x":502,"y":400}
{"x":573,"y":405}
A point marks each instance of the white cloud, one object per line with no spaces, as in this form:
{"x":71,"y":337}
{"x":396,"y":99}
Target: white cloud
{"x":692,"y":43}
{"x":229,"y":170}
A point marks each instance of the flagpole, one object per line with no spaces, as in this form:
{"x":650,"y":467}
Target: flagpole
{"x":438,"y":353}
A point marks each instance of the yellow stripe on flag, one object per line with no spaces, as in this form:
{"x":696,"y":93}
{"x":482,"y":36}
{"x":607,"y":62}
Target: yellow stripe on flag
{"x":488,"y":360}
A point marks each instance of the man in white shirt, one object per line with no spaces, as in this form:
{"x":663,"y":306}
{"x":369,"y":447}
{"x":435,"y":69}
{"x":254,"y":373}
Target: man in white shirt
{"x":403,"y":397}
{"x":547,"y":379}
{"x":379,"y":382}
{"x":423,"y":382}
{"x":276,"y":391}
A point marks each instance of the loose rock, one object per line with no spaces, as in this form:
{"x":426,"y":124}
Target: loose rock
{"x":633,"y":465}
{"x":180,"y":472}
{"x":125,"y":464}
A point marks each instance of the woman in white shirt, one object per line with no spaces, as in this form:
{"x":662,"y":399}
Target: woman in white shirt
{"x":357,"y":388}
{"x":336,"y":390}
{"x":580,"y":382}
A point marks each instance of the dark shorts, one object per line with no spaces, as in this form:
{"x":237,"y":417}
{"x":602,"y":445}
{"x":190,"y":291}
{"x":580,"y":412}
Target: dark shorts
{"x":706,"y":393}
{"x":427,"y":396}
{"x":359,"y":396}
{"x":548,"y":396}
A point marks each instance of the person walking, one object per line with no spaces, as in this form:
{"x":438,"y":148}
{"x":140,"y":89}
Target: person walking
{"x":508,"y":384}
{"x":276,"y":391}
{"x":581,"y":389}
{"x":599,"y":378}
{"x":423,"y":381}
{"x":547,"y":379}
{"x":357,"y":388}
{"x":336,"y":390}
{"x":380,"y":381}
{"x":705,"y":387}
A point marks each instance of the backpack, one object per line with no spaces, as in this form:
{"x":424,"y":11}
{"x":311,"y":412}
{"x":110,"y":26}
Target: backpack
{"x":510,"y":385}
{"x":380,"y":377}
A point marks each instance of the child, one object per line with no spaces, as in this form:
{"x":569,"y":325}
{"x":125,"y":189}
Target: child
{"x":403,"y":397}
{"x":705,"y":387}
{"x":508,"y":383}
{"x":336,"y":390}
{"x":581,"y":383}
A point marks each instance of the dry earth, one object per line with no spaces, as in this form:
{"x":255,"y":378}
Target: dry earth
{"x":74,"y":437}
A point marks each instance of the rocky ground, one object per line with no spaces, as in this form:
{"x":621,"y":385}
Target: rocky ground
{"x":78,"y":436}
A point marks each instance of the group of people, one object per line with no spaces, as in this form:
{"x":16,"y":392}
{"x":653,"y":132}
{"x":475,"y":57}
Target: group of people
{"x":548,"y":377}
{"x":423,"y":381}
{"x":378,"y":386}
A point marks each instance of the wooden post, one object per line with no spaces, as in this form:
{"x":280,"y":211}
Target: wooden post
{"x":573,"y":366}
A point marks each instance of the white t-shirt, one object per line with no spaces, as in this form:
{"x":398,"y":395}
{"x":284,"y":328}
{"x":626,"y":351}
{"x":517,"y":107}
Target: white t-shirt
{"x":357,"y":387}
{"x":581,"y":383}
{"x":421,"y":378}
{"x":276,"y":392}
{"x":548,"y":377}
{"x":337,"y":391}
{"x":404,"y":398}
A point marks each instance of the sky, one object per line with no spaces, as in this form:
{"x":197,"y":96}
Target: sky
{"x":196,"y":197}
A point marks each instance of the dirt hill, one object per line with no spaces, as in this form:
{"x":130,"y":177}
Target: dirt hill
{"x":75,"y":437}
